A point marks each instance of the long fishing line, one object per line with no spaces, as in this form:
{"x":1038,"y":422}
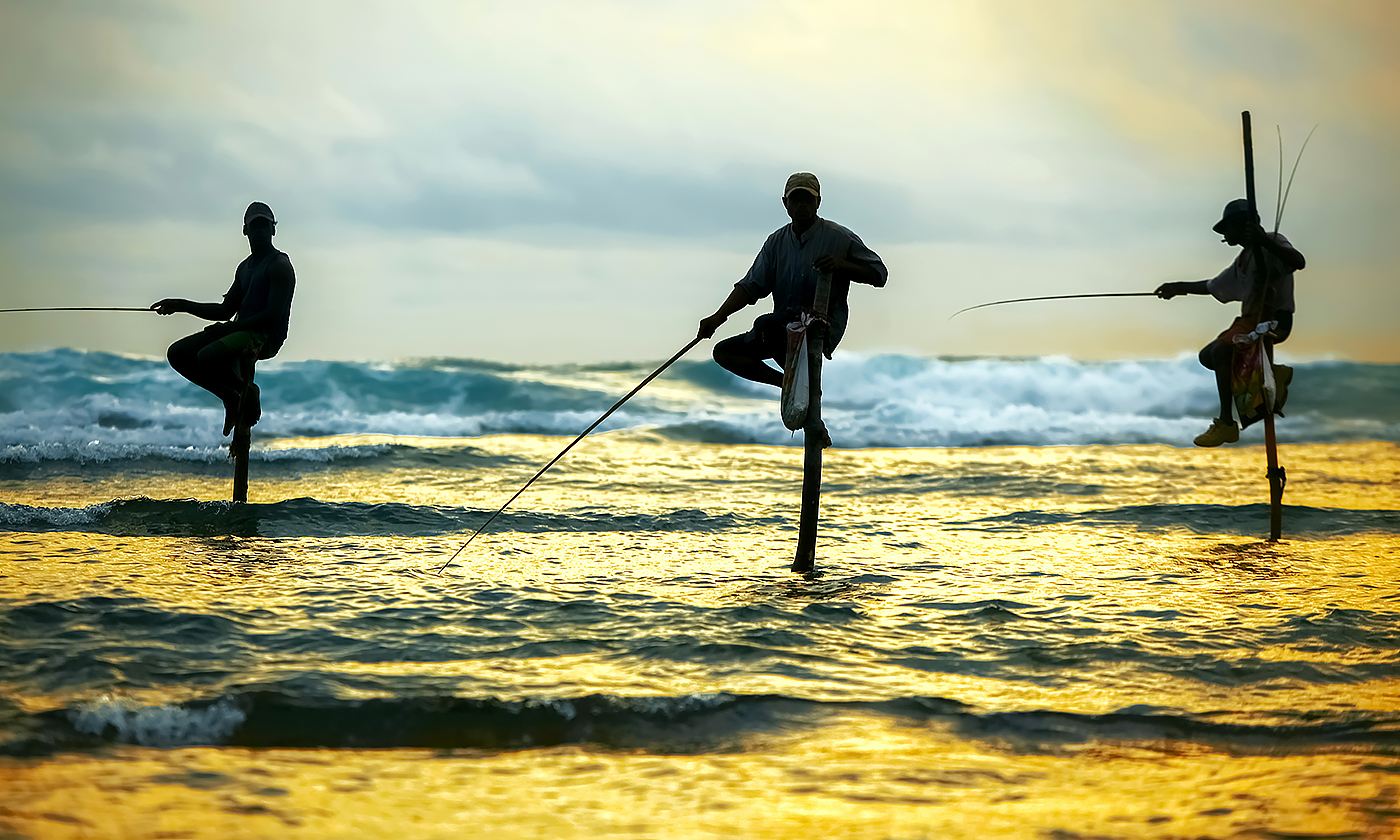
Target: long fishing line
{"x":82,"y":309}
{"x":1281,"y":203}
{"x":606,"y":415}
{"x":1051,"y":297}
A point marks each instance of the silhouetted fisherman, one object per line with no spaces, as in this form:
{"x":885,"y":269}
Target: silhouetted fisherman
{"x":254,"y":315}
{"x":787,"y":267}
{"x":1241,"y":281}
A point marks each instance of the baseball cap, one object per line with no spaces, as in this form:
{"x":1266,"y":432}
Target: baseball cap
{"x":802,"y":181}
{"x":1238,"y":207}
{"x":258,"y":210}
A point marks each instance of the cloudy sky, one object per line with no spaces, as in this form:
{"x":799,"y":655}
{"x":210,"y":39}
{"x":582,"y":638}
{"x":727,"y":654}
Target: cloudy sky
{"x":583,"y":180}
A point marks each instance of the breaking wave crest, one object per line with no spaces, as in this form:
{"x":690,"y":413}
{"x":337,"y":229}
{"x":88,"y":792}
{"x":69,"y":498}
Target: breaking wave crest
{"x":264,"y":719}
{"x":314,"y":518}
{"x":65,"y":405}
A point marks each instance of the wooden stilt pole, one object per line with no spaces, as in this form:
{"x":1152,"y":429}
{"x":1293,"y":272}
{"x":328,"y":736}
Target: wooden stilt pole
{"x":1275,"y":473}
{"x":1275,"y":480}
{"x":811,"y":465}
{"x":238,"y":450}
{"x":813,"y":434}
{"x":242,"y":435}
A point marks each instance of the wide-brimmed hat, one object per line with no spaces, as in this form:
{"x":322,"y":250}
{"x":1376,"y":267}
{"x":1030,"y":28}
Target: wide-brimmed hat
{"x":802,"y":181}
{"x":1233,"y":210}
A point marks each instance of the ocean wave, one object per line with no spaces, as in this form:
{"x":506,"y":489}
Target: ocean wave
{"x":69,"y":405}
{"x":124,"y":721}
{"x":307,"y":517}
{"x":265,"y":718}
{"x":1301,"y":521}
{"x":99,"y":452}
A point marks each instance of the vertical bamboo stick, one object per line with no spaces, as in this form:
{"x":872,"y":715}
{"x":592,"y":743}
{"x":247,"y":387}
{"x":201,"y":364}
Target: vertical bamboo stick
{"x":238,"y":449}
{"x":242,"y":434}
{"x":1275,"y":472}
{"x":812,"y":435}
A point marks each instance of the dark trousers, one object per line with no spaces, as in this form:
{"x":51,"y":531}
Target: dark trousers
{"x":747,"y":355}
{"x":221,"y":366}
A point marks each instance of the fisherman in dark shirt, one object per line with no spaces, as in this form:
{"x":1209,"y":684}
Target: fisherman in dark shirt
{"x":787,"y":267}
{"x":253,"y":323}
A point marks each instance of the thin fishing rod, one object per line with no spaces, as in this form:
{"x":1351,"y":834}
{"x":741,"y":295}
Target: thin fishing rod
{"x":582,"y":435}
{"x":1051,"y":297}
{"x":82,"y":309}
{"x":1278,"y":196}
{"x":1289,"y":188}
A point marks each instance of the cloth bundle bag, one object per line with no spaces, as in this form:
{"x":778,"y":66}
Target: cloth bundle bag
{"x":1251,"y":372}
{"x":797,"y":388}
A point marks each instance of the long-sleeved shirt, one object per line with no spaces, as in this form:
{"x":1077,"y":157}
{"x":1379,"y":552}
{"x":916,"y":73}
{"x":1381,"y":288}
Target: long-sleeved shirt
{"x":783,"y":269}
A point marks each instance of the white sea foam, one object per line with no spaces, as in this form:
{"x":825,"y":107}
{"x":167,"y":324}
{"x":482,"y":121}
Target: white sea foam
{"x":166,"y":725}
{"x":98,"y":451}
{"x":320,"y":453}
{"x":21,"y":515}
{"x":668,"y":706}
{"x":562,"y":707}
{"x":68,"y":406}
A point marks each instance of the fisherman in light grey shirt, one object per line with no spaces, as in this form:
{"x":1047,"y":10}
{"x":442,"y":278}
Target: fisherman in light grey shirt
{"x":787,"y":268}
{"x":1242,"y":281}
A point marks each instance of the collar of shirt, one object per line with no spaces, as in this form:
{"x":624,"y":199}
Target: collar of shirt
{"x":802,"y":238}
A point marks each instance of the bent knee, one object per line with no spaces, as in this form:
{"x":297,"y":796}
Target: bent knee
{"x":181,"y":354}
{"x":1213,"y":355}
{"x":730,"y":348}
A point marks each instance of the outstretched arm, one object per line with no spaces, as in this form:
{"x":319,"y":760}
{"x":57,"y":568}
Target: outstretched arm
{"x":738,"y":299}
{"x":1167,"y":291}
{"x":207,"y":311}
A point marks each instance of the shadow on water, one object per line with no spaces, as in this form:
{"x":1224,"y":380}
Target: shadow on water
{"x":244,"y":548}
{"x":816,"y":585}
{"x":1255,"y":559}
{"x":240,"y":555}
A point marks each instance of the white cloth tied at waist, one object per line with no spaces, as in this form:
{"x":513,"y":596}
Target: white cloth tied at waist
{"x":804,"y":320}
{"x":796,"y":394}
{"x":1264,"y":328}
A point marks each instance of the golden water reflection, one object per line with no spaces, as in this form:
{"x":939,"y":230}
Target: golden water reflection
{"x":625,"y":471}
{"x":906,"y":552}
{"x":1152,"y":592}
{"x":860,"y":777}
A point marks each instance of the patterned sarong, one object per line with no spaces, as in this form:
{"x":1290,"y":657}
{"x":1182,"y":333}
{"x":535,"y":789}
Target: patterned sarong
{"x":1251,"y":374}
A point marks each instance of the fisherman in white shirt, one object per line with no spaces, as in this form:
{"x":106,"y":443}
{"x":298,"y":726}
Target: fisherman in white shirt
{"x":1239,"y":225}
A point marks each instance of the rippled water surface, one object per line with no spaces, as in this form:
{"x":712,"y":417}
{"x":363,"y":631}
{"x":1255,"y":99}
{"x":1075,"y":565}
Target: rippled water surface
{"x":1005,"y":642}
